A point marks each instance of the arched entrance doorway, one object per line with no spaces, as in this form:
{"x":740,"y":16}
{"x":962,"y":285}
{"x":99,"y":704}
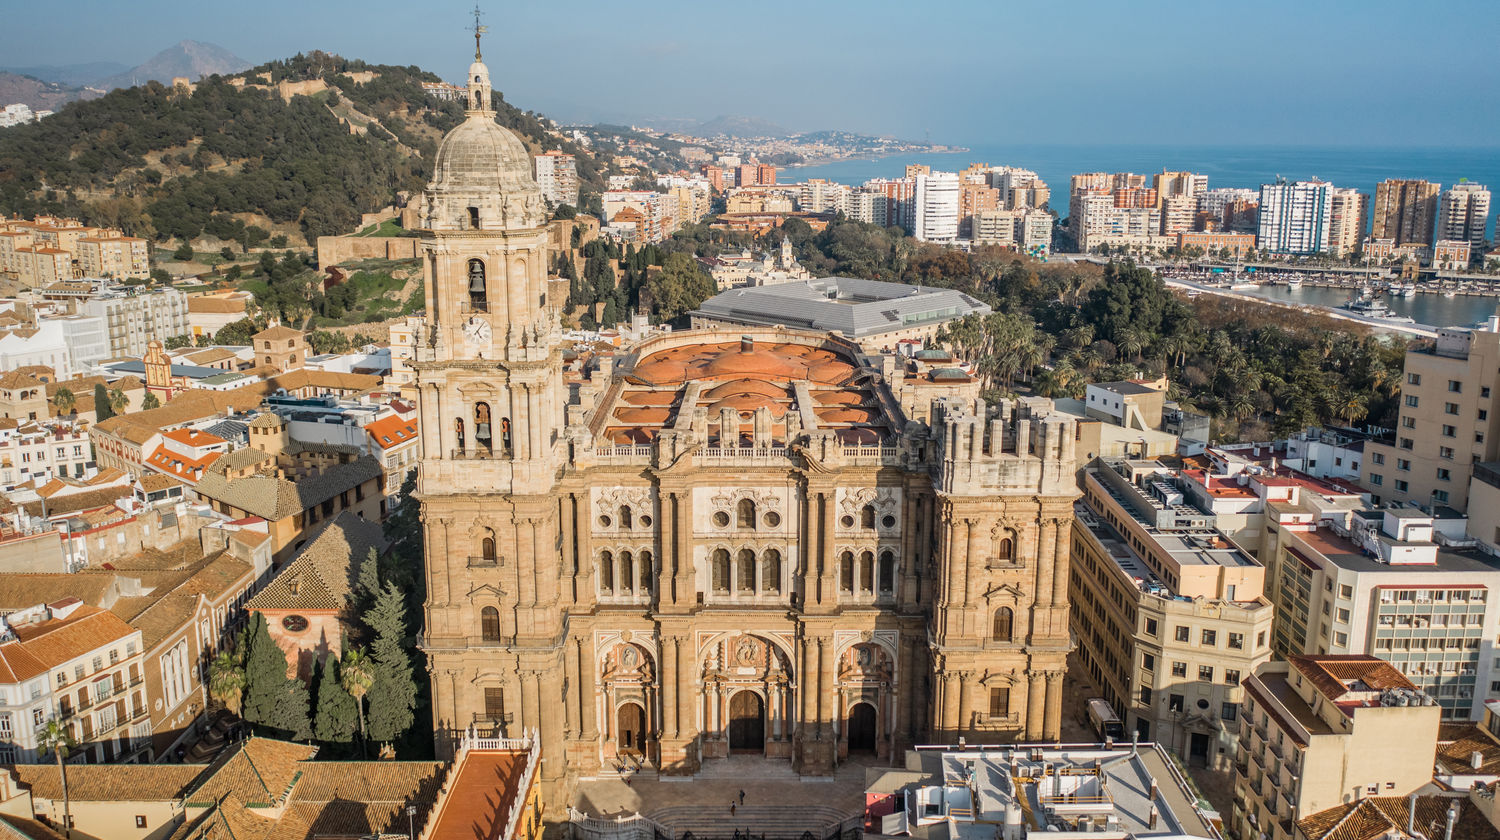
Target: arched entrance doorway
{"x":862,"y":728}
{"x":630,"y":729}
{"x":747,"y":722}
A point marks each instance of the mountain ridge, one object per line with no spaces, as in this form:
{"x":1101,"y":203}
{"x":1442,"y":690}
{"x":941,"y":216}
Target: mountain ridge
{"x":193,"y":59}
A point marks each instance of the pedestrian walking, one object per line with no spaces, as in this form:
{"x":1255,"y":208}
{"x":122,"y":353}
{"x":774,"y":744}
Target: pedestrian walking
{"x":742,"y":797}
{"x":731,"y":808}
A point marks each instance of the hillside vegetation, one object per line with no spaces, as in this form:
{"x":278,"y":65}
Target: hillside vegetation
{"x":167,"y":164}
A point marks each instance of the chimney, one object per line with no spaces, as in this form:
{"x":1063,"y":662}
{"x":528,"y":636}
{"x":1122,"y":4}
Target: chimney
{"x":1411,"y":814}
{"x":747,"y":344}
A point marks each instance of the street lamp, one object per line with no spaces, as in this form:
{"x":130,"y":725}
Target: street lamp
{"x":411,"y":813}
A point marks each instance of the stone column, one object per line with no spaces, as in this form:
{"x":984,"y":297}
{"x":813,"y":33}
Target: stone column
{"x":948,"y":712}
{"x":1053,"y":725}
{"x":440,"y":554}
{"x":965,"y":702}
{"x":1035,"y":705}
{"x":973,"y":555}
{"x":667,"y":674}
{"x":588,"y":701}
{"x":827,"y":554}
{"x":571,"y":710}
{"x":825,"y":688}
{"x":1062,"y":561}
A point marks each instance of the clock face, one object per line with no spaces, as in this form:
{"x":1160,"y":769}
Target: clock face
{"x":477,"y":329}
{"x":294,"y":623}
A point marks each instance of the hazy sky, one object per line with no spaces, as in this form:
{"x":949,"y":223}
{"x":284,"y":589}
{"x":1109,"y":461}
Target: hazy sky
{"x":1285,"y":72}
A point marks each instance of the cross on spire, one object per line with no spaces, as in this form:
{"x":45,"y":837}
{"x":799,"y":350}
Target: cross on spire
{"x":479,"y":30}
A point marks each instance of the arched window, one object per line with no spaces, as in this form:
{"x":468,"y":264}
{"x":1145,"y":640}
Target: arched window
{"x":867,"y":571}
{"x":747,"y":570}
{"x":474,"y":218}
{"x":627,"y":571}
{"x":1005,"y":551}
{"x":745,"y":513}
{"x":720,"y":570}
{"x":887,"y":571}
{"x":846,"y":571}
{"x":482,"y":424}
{"x":458,"y":428}
{"x":1004,"y":624}
{"x":625,"y":518}
{"x":477,"y":295}
{"x":607,"y":572}
{"x":487,"y":549}
{"x":489,"y":624}
{"x":867,"y":517}
{"x":505,"y":433}
{"x":770,"y":571}
{"x":646,"y":572}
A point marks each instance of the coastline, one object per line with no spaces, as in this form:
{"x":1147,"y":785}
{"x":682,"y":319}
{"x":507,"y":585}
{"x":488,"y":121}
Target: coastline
{"x":1417,"y":330}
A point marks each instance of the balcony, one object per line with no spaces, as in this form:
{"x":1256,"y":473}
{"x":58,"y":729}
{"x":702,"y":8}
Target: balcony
{"x":479,"y":453}
{"x":1276,"y":749}
{"x":472,"y":306}
{"x":484,"y":562}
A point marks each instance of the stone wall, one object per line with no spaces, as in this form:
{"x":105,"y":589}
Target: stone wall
{"x":334,"y":250}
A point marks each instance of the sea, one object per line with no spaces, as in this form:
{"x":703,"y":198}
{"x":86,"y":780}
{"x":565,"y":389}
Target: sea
{"x":1360,"y":167}
{"x":1425,"y":308}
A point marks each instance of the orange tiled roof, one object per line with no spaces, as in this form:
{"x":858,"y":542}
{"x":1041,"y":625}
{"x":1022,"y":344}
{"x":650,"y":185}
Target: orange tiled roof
{"x":43,"y":645}
{"x":392,"y":431}
{"x":1330,"y":674}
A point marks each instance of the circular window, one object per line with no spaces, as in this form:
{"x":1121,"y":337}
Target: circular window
{"x":846,"y":521}
{"x":721,"y":519}
{"x":1202,"y":704}
{"x":773,"y":519}
{"x":605,"y":521}
{"x":645,"y":522}
{"x":294,"y":623}
{"x":888,"y":521}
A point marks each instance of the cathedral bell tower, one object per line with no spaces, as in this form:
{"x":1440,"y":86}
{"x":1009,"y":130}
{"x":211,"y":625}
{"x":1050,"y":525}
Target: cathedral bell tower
{"x":488,"y":368}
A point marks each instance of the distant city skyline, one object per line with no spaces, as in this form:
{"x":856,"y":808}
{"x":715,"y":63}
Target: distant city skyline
{"x":1282,"y":73}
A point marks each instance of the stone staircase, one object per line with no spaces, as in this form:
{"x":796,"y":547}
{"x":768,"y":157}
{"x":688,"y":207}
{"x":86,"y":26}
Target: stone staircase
{"x":746,"y":767}
{"x":772,"y":822}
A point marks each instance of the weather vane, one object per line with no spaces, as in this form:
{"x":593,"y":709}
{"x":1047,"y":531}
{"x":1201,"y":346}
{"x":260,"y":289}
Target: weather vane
{"x":478,"y":30}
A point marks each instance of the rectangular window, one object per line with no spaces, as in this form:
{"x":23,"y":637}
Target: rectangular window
{"x":140,"y":821}
{"x":1377,"y":479}
{"x":1411,"y":401}
{"x":1445,"y":452}
{"x":1181,"y":633}
{"x":1450,"y":431}
{"x":1401,"y":486}
{"x":1346,"y":591}
{"x":1145,"y":696}
{"x":1231,"y":676}
{"x":1414,"y":379}
{"x":1210,"y":637}
{"x":1148,"y":662}
{"x":1377,"y":458}
{"x":1440,"y":496}
{"x":1236,"y":641}
{"x":1406,"y":443}
{"x":1484,"y":414}
{"x":1479,"y":437}
{"x":1455,"y":387}
{"x":1403,"y":464}
{"x":1341,"y":639}
{"x":1450,"y":408}
{"x":1443,"y":474}
{"x":1151,"y":627}
{"x":1179,"y":669}
{"x":999,"y":702}
{"x":1229,"y":711}
{"x":1174,"y":702}
{"x":1206,"y":673}
{"x":1408,"y":422}
{"x":494,"y":703}
{"x":1484,"y":391}
{"x":1342,"y":616}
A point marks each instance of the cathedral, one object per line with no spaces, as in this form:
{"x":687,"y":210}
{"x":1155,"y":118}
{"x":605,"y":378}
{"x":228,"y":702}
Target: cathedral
{"x":750,"y":541}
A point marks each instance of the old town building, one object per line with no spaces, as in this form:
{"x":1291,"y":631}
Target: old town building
{"x":720,"y":541}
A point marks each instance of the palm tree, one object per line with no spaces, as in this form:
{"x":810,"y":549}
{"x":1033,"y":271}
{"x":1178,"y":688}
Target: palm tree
{"x":1351,"y":405}
{"x":226,"y":681}
{"x":1131,"y":343}
{"x":56,"y":738}
{"x":150,"y":401}
{"x":357,"y":675}
{"x":64,"y":400}
{"x":118,"y":402}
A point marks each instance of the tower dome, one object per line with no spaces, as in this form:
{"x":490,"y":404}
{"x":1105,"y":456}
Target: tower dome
{"x":481,"y":176}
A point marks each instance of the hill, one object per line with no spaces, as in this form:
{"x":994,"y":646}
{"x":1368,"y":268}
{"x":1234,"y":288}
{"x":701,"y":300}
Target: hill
{"x":240,"y":151}
{"x":37,"y":94}
{"x":737,"y":126}
{"x":71,"y":75}
{"x":193,"y":59}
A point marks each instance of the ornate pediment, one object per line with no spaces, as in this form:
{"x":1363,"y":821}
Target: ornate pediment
{"x":1004,"y":592}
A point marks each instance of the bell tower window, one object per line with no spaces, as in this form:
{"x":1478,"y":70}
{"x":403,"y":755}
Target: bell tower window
{"x":477,"y":295}
{"x":482,"y":424}
{"x":473,"y":218}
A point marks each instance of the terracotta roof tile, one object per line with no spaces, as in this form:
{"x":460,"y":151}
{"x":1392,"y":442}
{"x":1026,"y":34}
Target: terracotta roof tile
{"x":322,"y":576}
{"x":258,"y":771}
{"x":1376,"y":817}
{"x":109,"y":782}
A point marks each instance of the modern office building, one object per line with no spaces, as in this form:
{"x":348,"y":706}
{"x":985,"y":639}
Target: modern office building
{"x":1320,"y":731}
{"x":1463,"y":213}
{"x":1295,"y":218}
{"x":1167,"y":610}
{"x":557,"y":175}
{"x":1446,"y":424}
{"x":1404,"y":211}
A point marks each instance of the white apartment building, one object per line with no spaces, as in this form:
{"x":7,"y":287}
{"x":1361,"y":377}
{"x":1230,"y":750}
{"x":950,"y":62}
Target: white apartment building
{"x":1326,"y":453}
{"x":77,"y":664}
{"x":33,"y":453}
{"x":1349,"y":217}
{"x":1019,"y":188}
{"x":135,"y":318}
{"x":868,"y":206}
{"x":819,"y":196}
{"x":557,"y":175}
{"x":1463,"y":212}
{"x":1295,"y":218}
{"x":935,"y":207}
{"x":1026,"y":230}
{"x":1100,"y":222}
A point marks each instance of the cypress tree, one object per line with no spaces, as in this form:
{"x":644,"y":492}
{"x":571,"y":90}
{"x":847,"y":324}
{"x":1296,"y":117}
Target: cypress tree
{"x":102,"y":411}
{"x":393,"y":697}
{"x":337,"y":718}
{"x":265,"y":673}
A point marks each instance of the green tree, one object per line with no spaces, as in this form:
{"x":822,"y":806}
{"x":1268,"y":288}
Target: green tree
{"x":226,"y":681}
{"x":337,"y":714}
{"x":272,"y":699}
{"x":56,"y":738}
{"x":178,"y":341}
{"x":237,"y":333}
{"x":356,"y":675}
{"x":64,"y":400}
{"x":150,"y":401}
{"x":184,"y":252}
{"x":118,"y":402}
{"x":102,"y":411}
{"x":679,"y":287}
{"x":227,"y":253}
{"x":393,"y":694}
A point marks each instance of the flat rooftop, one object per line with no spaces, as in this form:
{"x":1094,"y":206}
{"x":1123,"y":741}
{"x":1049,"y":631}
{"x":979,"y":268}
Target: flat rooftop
{"x":1187,"y":547}
{"x":1347,"y":555}
{"x":853,"y":306}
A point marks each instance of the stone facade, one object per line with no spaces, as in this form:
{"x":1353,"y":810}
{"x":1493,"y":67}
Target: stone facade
{"x":720,"y":542}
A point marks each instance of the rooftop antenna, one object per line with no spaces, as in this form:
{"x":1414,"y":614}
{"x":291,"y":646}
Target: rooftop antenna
{"x":479,"y":30}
